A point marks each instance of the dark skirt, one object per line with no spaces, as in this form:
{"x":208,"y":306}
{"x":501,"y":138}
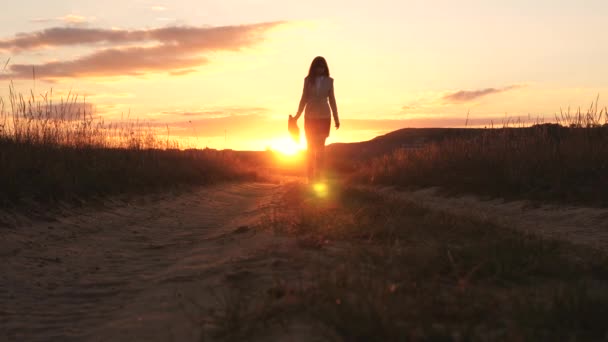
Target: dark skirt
{"x":316,"y":129}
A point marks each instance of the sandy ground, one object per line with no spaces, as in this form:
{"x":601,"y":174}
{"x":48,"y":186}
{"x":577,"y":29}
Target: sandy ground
{"x":165,"y":267}
{"x":138,"y":271}
{"x":580,"y":225}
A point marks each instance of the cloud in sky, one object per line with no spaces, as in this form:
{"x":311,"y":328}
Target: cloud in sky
{"x":72,"y":19}
{"x":173,"y":49}
{"x":217,"y":112}
{"x":158,"y":8}
{"x":181,"y":72}
{"x":471,"y":95}
{"x":236,"y":126}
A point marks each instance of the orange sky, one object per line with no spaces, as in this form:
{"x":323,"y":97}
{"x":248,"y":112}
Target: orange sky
{"x":226,"y":74}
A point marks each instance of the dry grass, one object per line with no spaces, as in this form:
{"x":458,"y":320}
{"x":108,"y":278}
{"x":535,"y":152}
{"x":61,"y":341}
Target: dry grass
{"x":61,"y":151}
{"x":388,"y":270}
{"x":563,"y":162}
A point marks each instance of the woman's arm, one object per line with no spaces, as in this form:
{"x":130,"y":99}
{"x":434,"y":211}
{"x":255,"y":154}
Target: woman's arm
{"x":303,"y":101}
{"x":333,"y":105}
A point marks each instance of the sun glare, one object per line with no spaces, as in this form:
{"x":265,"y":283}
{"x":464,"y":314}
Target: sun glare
{"x":286,"y":147}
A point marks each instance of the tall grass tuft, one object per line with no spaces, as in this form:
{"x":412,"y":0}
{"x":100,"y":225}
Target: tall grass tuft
{"x":51,"y":151}
{"x":566,"y":161}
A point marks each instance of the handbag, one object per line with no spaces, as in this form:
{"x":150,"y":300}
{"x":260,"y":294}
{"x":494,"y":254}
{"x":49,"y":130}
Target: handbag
{"x":292,"y":127}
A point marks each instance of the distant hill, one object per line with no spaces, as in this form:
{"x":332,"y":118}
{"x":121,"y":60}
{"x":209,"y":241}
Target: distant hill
{"x":402,"y":138}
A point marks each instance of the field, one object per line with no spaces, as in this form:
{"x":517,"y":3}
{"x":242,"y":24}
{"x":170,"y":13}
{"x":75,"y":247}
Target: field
{"x":246,"y":253}
{"x":384,"y":269}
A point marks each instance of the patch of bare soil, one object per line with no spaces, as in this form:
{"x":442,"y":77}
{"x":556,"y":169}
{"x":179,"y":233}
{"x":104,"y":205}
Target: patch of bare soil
{"x":155,"y":269}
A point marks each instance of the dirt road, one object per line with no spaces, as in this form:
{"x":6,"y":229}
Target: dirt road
{"x":131,"y":272}
{"x":579,"y":225}
{"x":157,"y":268}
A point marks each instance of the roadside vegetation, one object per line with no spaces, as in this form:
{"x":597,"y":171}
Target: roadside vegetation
{"x":61,"y":151}
{"x":566,"y":161}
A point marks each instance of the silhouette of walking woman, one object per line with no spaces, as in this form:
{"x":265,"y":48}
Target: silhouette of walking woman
{"x":318,"y":89}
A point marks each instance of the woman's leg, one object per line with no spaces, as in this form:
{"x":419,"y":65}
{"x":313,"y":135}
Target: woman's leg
{"x":316,"y":133}
{"x":310,"y":159}
{"x":320,"y":159}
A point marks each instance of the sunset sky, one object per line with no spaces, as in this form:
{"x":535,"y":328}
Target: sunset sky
{"x":226,"y":73}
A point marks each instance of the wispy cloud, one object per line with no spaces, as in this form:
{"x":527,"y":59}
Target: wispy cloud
{"x":158,"y":8}
{"x":74,"y":19}
{"x":171,"y":49}
{"x":70,"y":19}
{"x":217,"y":112}
{"x":181,"y":72}
{"x":471,"y":95}
{"x":235,"y":125}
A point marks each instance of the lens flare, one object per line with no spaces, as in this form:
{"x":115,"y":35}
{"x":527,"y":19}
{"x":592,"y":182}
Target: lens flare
{"x":320,"y":189}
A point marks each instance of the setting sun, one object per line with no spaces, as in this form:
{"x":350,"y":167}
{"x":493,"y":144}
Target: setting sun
{"x":286,"y":147}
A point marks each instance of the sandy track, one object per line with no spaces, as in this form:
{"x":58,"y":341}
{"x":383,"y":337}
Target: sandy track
{"x":128,"y":272}
{"x":579,"y":225}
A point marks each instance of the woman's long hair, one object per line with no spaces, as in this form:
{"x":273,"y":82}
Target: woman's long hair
{"x":318,"y":61}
